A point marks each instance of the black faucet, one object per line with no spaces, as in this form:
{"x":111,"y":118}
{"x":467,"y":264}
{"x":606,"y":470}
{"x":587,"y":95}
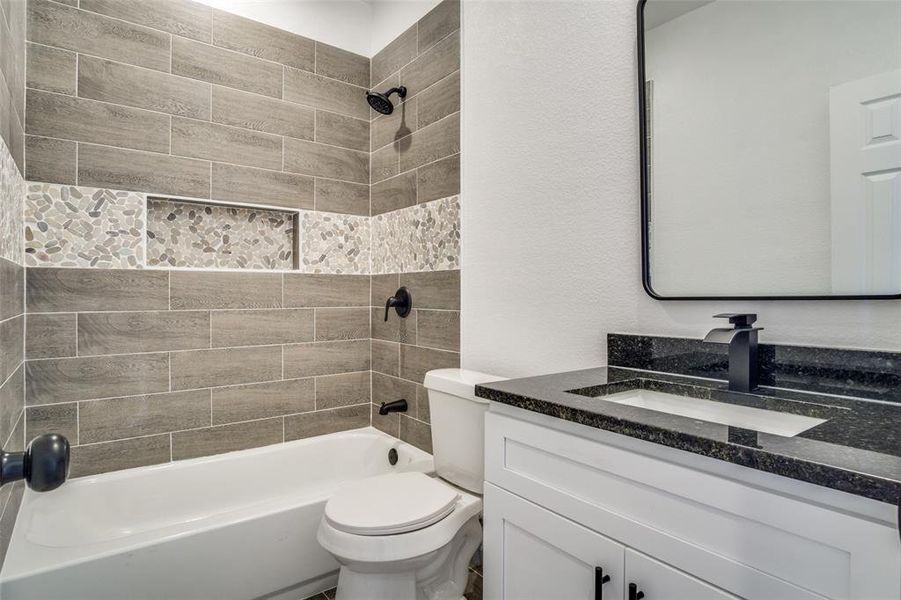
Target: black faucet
{"x":401,"y":301}
{"x":390,"y":407}
{"x":742,"y":340}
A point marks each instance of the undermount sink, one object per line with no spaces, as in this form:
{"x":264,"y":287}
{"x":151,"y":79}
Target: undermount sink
{"x":757,"y":419}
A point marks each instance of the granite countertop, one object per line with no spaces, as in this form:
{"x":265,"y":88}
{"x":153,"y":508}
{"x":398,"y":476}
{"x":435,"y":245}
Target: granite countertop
{"x":856,"y":450}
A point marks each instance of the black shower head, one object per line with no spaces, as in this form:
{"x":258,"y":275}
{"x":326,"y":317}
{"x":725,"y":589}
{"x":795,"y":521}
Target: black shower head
{"x":381,"y":102}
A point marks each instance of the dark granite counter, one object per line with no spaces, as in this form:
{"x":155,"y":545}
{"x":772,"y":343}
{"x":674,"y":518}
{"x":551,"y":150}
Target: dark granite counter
{"x":856,"y":450}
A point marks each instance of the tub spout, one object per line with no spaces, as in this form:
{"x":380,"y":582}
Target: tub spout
{"x":390,"y":407}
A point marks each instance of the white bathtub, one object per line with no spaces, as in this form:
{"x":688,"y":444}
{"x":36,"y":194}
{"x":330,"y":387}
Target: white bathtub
{"x":240,"y":525}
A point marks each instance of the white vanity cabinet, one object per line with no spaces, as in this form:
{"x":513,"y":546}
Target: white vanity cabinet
{"x":563,"y":500}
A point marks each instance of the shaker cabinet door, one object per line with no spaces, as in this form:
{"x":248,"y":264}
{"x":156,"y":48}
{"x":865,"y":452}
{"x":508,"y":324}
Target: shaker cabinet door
{"x":657,"y":581}
{"x":534,"y":554}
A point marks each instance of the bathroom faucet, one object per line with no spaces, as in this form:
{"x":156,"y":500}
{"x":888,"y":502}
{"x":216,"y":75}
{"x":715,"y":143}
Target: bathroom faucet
{"x":742,"y":340}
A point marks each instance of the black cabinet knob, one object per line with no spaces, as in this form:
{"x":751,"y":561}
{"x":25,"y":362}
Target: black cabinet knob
{"x":599,"y":580}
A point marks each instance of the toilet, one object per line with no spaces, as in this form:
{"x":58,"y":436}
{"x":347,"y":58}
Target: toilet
{"x":410,"y":536}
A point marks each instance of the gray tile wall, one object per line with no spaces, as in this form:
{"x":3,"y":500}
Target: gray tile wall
{"x":416,"y":159}
{"x":179,"y":98}
{"x":142,"y":367}
{"x":12,"y":273}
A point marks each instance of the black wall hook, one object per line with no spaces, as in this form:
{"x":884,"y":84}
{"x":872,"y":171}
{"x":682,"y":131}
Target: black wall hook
{"x":44,"y":465}
{"x":401,"y":301}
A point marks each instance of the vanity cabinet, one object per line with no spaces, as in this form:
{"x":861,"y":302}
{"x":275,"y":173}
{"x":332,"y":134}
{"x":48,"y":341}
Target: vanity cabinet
{"x":562,"y":500}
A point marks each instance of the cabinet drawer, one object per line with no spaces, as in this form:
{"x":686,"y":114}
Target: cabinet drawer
{"x":752,"y":542}
{"x":532,"y":554}
{"x":661,"y":582}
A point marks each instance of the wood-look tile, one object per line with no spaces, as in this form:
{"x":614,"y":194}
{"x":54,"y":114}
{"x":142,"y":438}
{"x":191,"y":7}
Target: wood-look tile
{"x":439,"y":179}
{"x":50,"y":335}
{"x":121,"y":454}
{"x":342,"y":324}
{"x":434,"y":289}
{"x":316,"y":290}
{"x":118,"y":418}
{"x":123,"y":333}
{"x":384,"y":163}
{"x":261,"y":113}
{"x":263,"y":400}
{"x":195,"y":369}
{"x":342,"y":197}
{"x":67,"y":290}
{"x":54,"y":24}
{"x":383,"y":287}
{"x":61,"y":419}
{"x":423,"y":409}
{"x":340,"y":130}
{"x":438,"y":140}
{"x":261,"y":327}
{"x":210,"y":141}
{"x":50,"y":160}
{"x":226,"y":438}
{"x":12,"y":287}
{"x":416,"y":361}
{"x":395,"y":329}
{"x":12,"y":345}
{"x":389,"y":423}
{"x":438,"y":329}
{"x":310,"y":158}
{"x":439,"y":23}
{"x":12,"y":402}
{"x":394,"y":127}
{"x":388,"y":389}
{"x":100,"y":166}
{"x":324,"y":93}
{"x":67,"y":379}
{"x":416,"y":432}
{"x":114,"y":82}
{"x":346,"y":389}
{"x":326,"y":358}
{"x":395,"y":55}
{"x":439,"y":101}
{"x":65,"y":117}
{"x":223,"y":67}
{"x":51,"y":69}
{"x":182,"y":17}
{"x":432,"y":65}
{"x":322,"y":422}
{"x":385,"y":357}
{"x":233,"y":183}
{"x":210,"y":290}
{"x":340,"y":64}
{"x":394,"y":193}
{"x":263,"y":41}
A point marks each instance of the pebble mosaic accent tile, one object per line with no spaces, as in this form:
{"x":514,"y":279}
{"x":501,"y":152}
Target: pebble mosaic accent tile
{"x":334,"y":243}
{"x":425,"y":237}
{"x":12,"y":193}
{"x":188,"y":234}
{"x":70,"y":226}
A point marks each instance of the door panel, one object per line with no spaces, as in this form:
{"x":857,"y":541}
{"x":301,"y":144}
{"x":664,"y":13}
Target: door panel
{"x":661,"y":582}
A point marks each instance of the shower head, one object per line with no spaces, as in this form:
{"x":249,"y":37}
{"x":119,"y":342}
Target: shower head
{"x":382,"y":102}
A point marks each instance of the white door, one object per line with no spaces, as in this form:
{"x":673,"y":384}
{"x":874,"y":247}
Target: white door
{"x":533,"y":554}
{"x":657,"y":581}
{"x":865,"y":157}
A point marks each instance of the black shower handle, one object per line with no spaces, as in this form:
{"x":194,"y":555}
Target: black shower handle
{"x":401,"y":301}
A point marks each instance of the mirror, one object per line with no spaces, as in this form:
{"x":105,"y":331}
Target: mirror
{"x":771,"y":148}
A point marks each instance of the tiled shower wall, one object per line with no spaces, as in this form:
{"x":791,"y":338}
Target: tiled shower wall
{"x":415,"y":217}
{"x":12,"y":271}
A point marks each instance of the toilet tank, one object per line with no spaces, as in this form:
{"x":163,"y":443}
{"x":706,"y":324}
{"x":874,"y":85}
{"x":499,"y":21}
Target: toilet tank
{"x":458,"y":425}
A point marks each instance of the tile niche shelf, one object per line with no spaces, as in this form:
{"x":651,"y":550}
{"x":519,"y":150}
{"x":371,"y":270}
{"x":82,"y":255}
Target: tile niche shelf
{"x":192,"y":234}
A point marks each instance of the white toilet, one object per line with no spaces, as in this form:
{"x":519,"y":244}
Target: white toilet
{"x":408,"y":536}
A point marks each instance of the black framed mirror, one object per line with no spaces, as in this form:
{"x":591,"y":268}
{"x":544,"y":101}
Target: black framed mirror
{"x":770,"y":149}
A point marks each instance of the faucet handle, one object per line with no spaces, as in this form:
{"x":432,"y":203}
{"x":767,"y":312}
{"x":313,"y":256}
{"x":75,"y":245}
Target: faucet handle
{"x":740,"y":320}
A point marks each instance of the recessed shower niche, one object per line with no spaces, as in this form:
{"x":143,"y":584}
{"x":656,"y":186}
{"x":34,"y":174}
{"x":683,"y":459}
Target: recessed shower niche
{"x":203,"y":235}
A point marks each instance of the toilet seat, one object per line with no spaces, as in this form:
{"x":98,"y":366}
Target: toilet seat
{"x":390,"y":504}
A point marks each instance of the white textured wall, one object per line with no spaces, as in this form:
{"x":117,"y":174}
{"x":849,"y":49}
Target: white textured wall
{"x":390,"y":18}
{"x":551,"y":219}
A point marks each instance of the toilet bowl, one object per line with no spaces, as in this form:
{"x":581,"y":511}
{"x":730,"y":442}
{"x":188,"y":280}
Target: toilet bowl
{"x":411,"y":536}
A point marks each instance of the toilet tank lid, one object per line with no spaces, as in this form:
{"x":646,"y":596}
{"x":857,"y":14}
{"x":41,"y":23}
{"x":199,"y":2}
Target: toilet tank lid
{"x":459,"y":382}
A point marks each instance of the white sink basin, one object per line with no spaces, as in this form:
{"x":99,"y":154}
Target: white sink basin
{"x":757,"y":419}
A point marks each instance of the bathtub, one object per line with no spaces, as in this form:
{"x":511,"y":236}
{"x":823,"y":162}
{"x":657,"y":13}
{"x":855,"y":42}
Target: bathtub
{"x":240,"y":525}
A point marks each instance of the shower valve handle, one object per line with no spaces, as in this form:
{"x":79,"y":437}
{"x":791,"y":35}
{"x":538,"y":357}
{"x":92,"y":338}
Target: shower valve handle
{"x":401,"y":301}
